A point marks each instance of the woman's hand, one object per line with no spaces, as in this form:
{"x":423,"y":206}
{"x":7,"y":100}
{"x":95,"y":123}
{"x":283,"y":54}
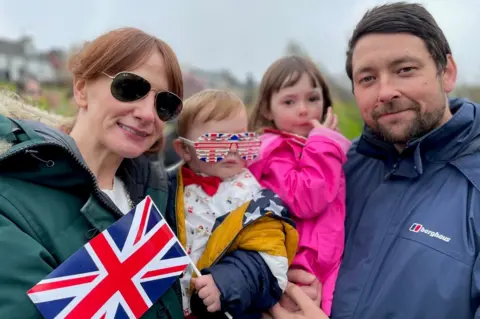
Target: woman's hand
{"x":308,"y":309}
{"x":307,"y":282}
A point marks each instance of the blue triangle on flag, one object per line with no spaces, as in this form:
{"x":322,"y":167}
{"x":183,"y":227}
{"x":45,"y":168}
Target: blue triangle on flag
{"x":234,"y":138}
{"x":50,"y":309}
{"x":119,"y":230}
{"x":174,"y":252}
{"x":153,"y":218}
{"x":121,"y":313}
{"x":156,"y":288}
{"x":78,"y":263}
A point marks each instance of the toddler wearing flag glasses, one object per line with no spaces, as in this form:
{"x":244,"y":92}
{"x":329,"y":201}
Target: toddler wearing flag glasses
{"x":238,"y":234}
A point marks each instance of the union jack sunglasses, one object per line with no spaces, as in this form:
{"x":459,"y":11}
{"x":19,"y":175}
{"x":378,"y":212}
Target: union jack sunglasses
{"x":214,"y":147}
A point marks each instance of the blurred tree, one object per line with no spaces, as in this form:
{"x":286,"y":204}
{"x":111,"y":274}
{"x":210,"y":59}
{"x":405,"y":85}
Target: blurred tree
{"x":191,"y":85}
{"x":250,"y":90}
{"x":470,"y":92}
{"x":295,"y":48}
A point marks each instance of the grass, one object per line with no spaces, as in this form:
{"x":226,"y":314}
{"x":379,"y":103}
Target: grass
{"x":349,"y":119}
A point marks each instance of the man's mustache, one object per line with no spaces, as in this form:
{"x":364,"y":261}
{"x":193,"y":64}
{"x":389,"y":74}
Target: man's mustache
{"x":394,"y":106}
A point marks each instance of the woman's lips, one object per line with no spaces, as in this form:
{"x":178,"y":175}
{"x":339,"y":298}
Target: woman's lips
{"x":133,"y":130}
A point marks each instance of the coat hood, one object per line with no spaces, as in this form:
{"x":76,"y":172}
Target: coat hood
{"x":43,"y":122}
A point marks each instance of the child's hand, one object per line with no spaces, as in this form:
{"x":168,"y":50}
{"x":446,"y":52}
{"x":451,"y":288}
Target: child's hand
{"x":208,"y":292}
{"x":331,"y":121}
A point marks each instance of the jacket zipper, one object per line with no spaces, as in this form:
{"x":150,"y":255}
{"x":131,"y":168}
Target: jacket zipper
{"x":393,"y":170}
{"x":97,"y":192}
{"x":226,"y":248}
{"x":233,"y":240}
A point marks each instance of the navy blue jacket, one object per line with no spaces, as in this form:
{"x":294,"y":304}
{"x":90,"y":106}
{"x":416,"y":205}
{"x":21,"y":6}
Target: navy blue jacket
{"x":413,"y":222}
{"x":247,"y":285}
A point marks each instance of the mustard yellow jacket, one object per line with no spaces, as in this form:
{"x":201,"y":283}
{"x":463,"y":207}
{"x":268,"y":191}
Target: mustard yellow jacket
{"x":249,"y":250}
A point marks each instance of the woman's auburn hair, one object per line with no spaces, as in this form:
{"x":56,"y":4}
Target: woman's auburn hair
{"x":121,"y":50}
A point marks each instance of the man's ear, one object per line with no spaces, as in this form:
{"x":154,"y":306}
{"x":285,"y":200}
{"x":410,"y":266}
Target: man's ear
{"x":80,"y":92}
{"x":449,"y":75}
{"x":182,"y":150}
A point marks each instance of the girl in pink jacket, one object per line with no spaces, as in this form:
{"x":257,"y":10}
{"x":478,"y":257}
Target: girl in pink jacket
{"x":301,"y":159}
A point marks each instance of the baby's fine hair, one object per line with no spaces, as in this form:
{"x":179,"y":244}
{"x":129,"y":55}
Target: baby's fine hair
{"x":208,"y":105}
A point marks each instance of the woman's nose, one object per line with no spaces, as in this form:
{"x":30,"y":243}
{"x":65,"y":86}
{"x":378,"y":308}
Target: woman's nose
{"x":145,"y":109}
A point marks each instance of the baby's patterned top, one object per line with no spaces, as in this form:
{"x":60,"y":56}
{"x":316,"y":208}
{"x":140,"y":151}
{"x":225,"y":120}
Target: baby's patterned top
{"x":201,"y":211}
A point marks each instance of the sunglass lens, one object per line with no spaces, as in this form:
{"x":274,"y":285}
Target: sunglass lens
{"x":129,"y":87}
{"x":168,"y":106}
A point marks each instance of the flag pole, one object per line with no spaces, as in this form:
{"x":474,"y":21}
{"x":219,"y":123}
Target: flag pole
{"x":199,"y":274}
{"x":195,"y":269}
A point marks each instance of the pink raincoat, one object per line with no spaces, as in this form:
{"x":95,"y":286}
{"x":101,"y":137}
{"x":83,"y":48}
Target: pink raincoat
{"x":308,"y":176}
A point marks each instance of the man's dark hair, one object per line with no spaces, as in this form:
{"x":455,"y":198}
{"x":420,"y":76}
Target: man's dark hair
{"x":402,"y":17}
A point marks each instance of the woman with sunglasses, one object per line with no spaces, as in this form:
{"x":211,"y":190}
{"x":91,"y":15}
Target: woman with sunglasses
{"x":58,"y":191}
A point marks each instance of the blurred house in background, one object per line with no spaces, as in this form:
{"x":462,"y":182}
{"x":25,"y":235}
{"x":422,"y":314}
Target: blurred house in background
{"x":19,"y":58}
{"x":222,"y":79}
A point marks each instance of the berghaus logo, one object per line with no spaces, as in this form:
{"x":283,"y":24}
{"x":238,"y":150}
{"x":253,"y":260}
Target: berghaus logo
{"x":418,"y":228}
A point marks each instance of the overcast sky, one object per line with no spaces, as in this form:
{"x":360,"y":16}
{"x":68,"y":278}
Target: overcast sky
{"x":241,"y":35}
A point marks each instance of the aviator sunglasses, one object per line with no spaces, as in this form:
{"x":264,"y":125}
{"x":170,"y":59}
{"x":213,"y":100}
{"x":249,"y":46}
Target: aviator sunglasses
{"x":130,"y":87}
{"x":215,"y":147}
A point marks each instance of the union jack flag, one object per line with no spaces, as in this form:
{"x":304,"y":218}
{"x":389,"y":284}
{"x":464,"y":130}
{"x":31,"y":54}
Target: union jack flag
{"x":118,"y":274}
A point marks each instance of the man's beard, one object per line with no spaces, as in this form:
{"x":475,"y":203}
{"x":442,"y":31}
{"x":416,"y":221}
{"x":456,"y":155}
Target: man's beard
{"x":421,"y":124}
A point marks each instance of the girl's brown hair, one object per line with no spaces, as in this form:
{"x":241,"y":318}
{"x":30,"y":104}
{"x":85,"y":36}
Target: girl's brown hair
{"x":121,"y":50}
{"x":285,"y":72}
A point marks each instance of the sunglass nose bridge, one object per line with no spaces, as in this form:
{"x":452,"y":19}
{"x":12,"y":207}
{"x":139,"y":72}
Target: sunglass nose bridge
{"x":233,"y":147}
